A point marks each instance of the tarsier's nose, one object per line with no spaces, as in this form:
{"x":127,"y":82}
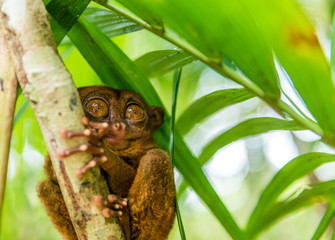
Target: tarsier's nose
{"x":119,"y":126}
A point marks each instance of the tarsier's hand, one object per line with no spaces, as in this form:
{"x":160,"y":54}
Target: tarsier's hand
{"x":113,"y":205}
{"x":94,"y":133}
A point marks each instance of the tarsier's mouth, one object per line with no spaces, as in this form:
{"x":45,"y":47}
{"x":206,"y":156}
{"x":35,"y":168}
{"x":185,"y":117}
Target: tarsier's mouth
{"x":116,"y":144}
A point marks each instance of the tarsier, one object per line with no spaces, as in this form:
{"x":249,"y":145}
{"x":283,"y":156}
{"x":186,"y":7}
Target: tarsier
{"x":120,"y":130}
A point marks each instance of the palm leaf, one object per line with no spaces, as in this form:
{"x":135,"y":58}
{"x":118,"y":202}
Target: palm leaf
{"x":292,"y":171}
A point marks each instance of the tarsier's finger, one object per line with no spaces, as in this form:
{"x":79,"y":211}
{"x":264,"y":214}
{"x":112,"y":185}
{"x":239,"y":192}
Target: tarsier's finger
{"x":114,"y":199}
{"x":106,"y":212}
{"x":91,"y":164}
{"x":97,"y":151}
{"x":87,"y":133}
{"x":113,"y":202}
{"x":67,"y":152}
{"x":82,"y":148}
{"x":100,"y":127}
{"x":98,"y":200}
{"x":64,"y":133}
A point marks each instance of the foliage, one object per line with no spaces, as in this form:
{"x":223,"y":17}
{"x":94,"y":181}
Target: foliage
{"x":249,"y":42}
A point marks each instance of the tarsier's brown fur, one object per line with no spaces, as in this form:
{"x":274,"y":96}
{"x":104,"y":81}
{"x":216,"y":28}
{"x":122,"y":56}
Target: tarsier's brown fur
{"x":136,"y":169}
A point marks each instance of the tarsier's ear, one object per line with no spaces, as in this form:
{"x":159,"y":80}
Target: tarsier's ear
{"x":156,"y":115}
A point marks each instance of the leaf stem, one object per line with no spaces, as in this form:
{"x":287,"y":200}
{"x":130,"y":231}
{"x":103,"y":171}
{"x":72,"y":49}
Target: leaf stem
{"x":176,"y":81}
{"x":309,"y":124}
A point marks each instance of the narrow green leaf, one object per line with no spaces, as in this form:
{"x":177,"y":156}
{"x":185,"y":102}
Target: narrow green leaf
{"x":19,"y":91}
{"x":331,"y":8}
{"x":292,"y":171}
{"x":299,"y":51}
{"x":64,"y":13}
{"x":109,"y":22}
{"x":247,"y":128}
{"x":221,"y":30}
{"x":182,"y":188}
{"x":332,"y":49}
{"x":172,"y":145}
{"x":158,"y":62}
{"x":317,"y":193}
{"x":117,"y":70}
{"x":210,"y":104}
{"x":20,"y":111}
{"x":68,"y":49}
{"x":176,"y":81}
{"x":326,"y":220}
{"x":151,"y":18}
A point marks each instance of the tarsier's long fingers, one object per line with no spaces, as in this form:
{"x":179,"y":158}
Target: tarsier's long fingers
{"x":97,"y":151}
{"x":113,"y":205}
{"x":91,"y":164}
{"x":100,"y":127}
{"x":64,"y":133}
{"x":93,"y":135}
{"x":87,"y":133}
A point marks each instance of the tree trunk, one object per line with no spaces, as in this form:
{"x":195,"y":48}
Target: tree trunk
{"x":54,"y":98}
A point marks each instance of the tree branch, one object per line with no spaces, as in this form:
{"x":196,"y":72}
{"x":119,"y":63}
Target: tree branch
{"x":8,"y":85}
{"x":54,"y":98}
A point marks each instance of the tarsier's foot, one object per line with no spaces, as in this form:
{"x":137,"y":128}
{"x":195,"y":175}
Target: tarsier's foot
{"x":94,"y":133}
{"x":114,"y":205}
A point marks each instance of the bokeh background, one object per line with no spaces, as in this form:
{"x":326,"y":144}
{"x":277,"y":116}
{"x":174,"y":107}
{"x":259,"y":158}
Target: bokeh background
{"x":238,"y":172}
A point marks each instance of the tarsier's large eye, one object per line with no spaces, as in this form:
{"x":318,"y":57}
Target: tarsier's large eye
{"x":97,"y":107}
{"x":134,"y":112}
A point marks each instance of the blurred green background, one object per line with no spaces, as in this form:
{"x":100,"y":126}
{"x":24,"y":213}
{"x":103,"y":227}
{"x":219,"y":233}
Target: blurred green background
{"x":238,"y":172}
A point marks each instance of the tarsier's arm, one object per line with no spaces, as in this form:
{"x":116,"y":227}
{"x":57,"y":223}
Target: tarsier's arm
{"x":139,"y":174}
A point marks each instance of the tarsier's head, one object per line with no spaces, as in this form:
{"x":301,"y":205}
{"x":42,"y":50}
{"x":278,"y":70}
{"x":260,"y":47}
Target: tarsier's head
{"x":131,"y":122}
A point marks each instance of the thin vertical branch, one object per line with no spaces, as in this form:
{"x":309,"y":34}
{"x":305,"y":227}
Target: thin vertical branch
{"x":8,"y":85}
